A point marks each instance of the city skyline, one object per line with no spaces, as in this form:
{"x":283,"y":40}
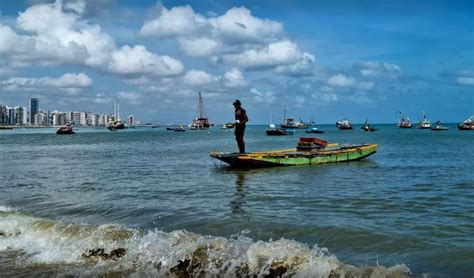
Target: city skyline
{"x":34,"y":116}
{"x":322,"y":60}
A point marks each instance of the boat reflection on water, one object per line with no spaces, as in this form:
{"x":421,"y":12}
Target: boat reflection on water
{"x":239,"y":196}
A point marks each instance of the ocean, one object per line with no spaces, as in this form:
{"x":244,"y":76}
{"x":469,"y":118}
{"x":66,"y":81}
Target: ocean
{"x":150,"y":202}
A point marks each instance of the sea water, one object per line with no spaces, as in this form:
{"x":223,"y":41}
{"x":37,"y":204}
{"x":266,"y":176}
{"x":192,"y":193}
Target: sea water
{"x":151,"y":202}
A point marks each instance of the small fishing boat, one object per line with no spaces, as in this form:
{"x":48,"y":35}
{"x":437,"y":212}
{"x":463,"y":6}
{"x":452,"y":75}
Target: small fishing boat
{"x":424,"y":124}
{"x":67,"y":129}
{"x":314,"y":130}
{"x":228,"y":126}
{"x":344,"y":124}
{"x":310,"y":151}
{"x":439,"y":127}
{"x":278,"y":131}
{"x":403,"y":122}
{"x":179,"y":129}
{"x":366,"y":127}
{"x":468,"y":124}
{"x":289,"y":123}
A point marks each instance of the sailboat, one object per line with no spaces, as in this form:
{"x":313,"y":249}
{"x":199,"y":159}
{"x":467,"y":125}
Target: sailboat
{"x":275,"y":131}
{"x":115,"y":123}
{"x":201,"y":122}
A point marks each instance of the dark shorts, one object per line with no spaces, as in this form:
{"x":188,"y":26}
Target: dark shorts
{"x":239,"y":130}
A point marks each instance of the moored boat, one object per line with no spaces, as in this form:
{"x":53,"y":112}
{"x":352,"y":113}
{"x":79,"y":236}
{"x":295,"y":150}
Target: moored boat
{"x":344,"y":124}
{"x":467,"y":124}
{"x":200,"y":122}
{"x":366,"y":127}
{"x":67,"y":129}
{"x":424,"y":124}
{"x":439,"y":127}
{"x":228,"y":126}
{"x":314,"y":130}
{"x":330,"y":153}
{"x":403,"y":122}
{"x":278,"y":131}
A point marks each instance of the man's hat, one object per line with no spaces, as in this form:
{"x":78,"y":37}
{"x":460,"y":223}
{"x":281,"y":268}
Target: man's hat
{"x":236,"y":102}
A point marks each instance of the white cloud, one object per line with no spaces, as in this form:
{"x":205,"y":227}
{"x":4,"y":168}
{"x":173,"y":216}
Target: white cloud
{"x":138,"y":61}
{"x":179,"y":21}
{"x":266,"y":97}
{"x":302,"y":67}
{"x":234,"y":79}
{"x":275,"y":54}
{"x":199,"y":78}
{"x":469,"y":80}
{"x":237,"y":38}
{"x":342,"y":81}
{"x":239,"y":25}
{"x":200,"y":47}
{"x":66,"y":83}
{"x":374,"y":69}
{"x":54,"y":34}
{"x":348,"y":82}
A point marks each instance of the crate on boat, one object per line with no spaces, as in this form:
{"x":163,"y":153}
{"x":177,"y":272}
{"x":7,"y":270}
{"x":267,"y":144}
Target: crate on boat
{"x":311,"y":143}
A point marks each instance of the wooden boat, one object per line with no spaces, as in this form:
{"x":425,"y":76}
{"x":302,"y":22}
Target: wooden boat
{"x":331,"y":153}
{"x":439,"y":127}
{"x":467,"y":124}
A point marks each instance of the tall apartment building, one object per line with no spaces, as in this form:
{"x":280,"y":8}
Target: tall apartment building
{"x":34,"y":108}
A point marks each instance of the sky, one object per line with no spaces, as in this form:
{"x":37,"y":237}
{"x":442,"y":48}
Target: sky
{"x":321,"y":60}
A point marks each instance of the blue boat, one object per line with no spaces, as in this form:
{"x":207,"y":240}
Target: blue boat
{"x":313,"y":130}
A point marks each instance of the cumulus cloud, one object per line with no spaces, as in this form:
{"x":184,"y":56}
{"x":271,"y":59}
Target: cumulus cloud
{"x":234,"y":79}
{"x":342,"y":81}
{"x":57,"y":34}
{"x":275,"y":54}
{"x":236,"y":38}
{"x":66,"y":82}
{"x":199,"y":78}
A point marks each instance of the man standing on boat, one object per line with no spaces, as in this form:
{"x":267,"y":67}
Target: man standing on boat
{"x":240,"y":120}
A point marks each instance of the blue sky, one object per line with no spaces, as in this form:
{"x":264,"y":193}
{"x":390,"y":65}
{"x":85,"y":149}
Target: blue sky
{"x":320,"y":59}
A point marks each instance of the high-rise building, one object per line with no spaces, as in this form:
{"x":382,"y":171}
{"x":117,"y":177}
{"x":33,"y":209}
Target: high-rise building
{"x":76,"y":118}
{"x":21,"y":117}
{"x":83,"y":118}
{"x":34,"y":106}
{"x":3,"y":115}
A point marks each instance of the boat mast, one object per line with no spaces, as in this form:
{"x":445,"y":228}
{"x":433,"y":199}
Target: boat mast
{"x":284,"y":114}
{"x":118,"y":112}
{"x":201,"y":106}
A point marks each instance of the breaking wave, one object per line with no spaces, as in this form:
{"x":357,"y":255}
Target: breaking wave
{"x":112,"y":249}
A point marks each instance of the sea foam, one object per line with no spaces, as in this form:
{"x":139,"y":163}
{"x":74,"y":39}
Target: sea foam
{"x":89,"y":250}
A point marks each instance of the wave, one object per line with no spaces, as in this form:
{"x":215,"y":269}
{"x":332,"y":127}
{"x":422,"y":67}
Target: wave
{"x":112,"y":249}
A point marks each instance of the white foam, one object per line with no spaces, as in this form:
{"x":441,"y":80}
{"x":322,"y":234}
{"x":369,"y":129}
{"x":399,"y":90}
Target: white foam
{"x":5,"y":209}
{"x":157,"y":252}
